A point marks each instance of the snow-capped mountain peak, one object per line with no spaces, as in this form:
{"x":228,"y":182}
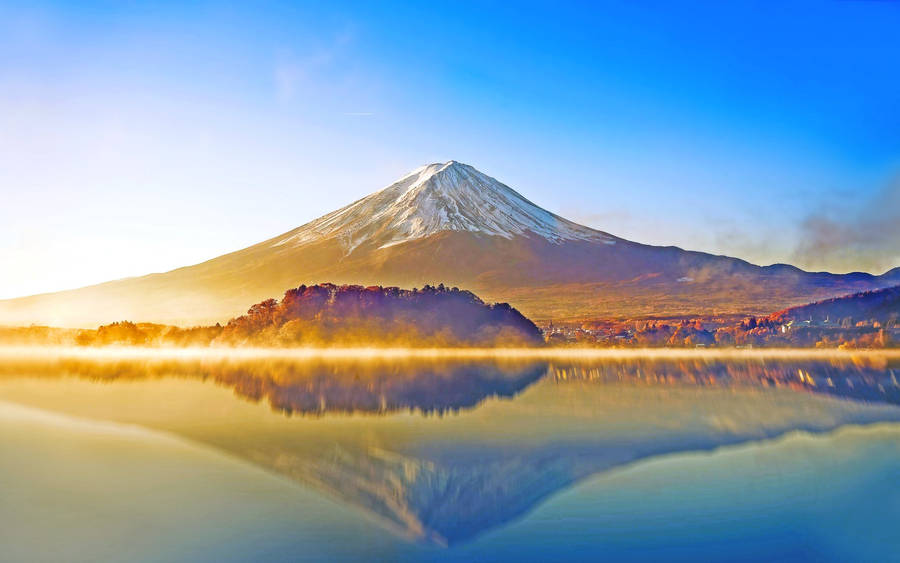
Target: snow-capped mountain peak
{"x":448,"y":196}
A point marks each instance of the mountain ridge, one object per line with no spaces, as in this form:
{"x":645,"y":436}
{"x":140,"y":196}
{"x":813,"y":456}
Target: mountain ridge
{"x":881,"y":305}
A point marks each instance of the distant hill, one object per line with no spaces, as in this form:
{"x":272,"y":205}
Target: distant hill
{"x":355,"y":315}
{"x":449,"y":222}
{"x":881,"y":306}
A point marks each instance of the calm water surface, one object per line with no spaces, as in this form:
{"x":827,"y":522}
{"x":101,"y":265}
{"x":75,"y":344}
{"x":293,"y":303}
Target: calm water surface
{"x":432,"y":460}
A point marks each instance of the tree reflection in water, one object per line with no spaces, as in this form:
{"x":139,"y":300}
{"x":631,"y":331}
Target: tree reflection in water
{"x":865,"y":377}
{"x":383,"y":385}
{"x":316,"y":387}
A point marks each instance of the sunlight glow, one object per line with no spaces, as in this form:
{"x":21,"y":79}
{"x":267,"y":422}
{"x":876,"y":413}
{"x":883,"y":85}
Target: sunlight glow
{"x":133,"y":352}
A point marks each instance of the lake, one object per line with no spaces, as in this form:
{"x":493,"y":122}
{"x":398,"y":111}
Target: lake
{"x":248,"y":457}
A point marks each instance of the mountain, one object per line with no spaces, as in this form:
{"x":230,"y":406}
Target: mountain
{"x":449,"y":223}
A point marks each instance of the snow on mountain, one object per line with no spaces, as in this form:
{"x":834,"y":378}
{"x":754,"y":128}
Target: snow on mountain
{"x":449,"y":196}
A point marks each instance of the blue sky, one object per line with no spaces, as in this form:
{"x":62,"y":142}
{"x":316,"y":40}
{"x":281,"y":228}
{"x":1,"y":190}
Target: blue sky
{"x":140,"y":138}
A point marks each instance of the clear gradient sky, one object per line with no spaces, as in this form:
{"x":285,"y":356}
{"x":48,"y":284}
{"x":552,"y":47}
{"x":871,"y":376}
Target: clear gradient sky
{"x":136,"y":139}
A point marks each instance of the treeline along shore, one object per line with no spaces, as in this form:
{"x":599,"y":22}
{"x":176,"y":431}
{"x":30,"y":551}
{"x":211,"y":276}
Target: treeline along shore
{"x":326,"y":314}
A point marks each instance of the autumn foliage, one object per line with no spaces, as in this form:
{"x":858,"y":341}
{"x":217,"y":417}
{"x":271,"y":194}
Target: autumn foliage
{"x":354,"y":315}
{"x":345,"y":315}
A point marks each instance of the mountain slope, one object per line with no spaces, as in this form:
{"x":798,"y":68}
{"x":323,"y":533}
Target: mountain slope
{"x":881,"y":305}
{"x":449,"y":223}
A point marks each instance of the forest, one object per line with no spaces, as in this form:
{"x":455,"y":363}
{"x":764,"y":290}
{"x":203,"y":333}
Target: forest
{"x":343,"y":315}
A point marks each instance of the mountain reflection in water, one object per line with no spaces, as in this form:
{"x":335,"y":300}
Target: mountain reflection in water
{"x":520,"y":430}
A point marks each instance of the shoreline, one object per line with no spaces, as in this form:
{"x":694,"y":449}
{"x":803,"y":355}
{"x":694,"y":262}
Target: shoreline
{"x":336,"y":353}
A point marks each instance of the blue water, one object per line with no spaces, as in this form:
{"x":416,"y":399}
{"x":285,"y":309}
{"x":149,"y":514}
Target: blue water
{"x":802,"y":498}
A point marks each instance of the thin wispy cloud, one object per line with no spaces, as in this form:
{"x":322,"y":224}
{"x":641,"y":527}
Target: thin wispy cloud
{"x":293,"y":72}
